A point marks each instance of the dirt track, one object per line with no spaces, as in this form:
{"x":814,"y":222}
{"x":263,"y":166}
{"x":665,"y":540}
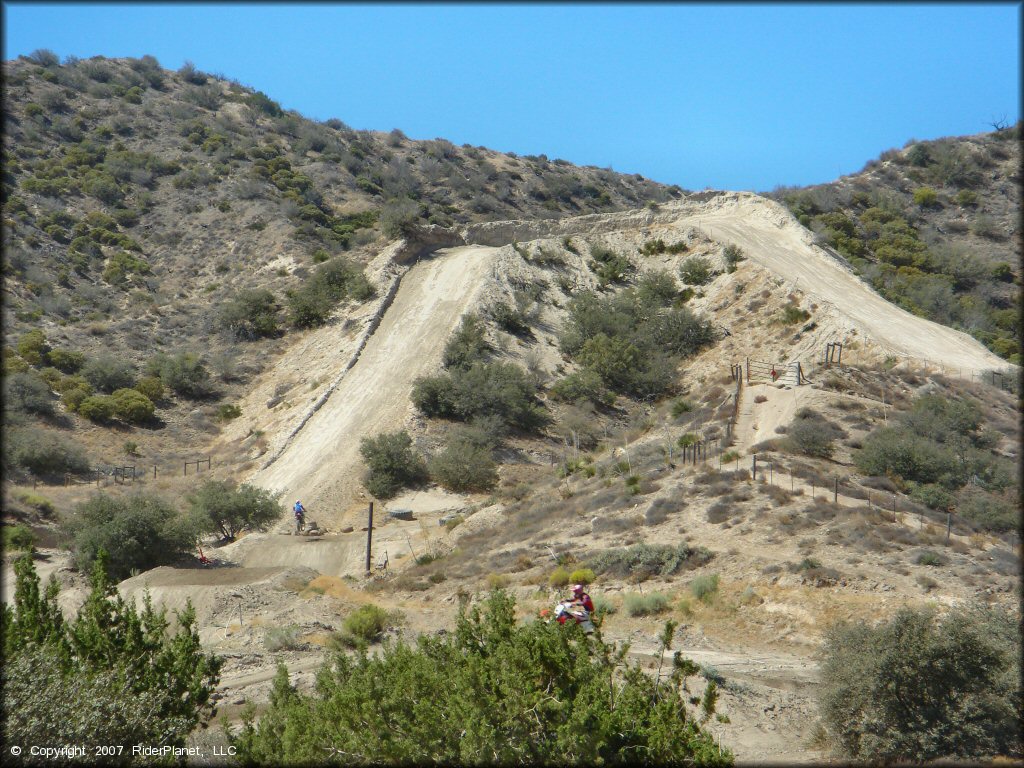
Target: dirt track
{"x":320,"y":465}
{"x":770,"y":236}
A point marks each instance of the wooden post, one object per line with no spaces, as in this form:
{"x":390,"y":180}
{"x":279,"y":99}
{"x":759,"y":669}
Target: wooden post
{"x":949,"y":526}
{"x":835,"y":493}
{"x":185,"y":470}
{"x":154,"y":471}
{"x":369,"y":536}
{"x":754,"y":471}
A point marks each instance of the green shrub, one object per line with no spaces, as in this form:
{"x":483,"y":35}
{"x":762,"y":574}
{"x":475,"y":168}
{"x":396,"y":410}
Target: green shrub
{"x":696,"y":270}
{"x":282,"y":638}
{"x":681,"y":406}
{"x":32,"y":347}
{"x":733,"y":255}
{"x":138,"y":532}
{"x":608,"y":265}
{"x":920,"y":687}
{"x":398,"y":216}
{"x":18,"y":537}
{"x":107,"y":373}
{"x":66,"y":360}
{"x":464,"y":467}
{"x":491,"y":671}
{"x":97,"y":408}
{"x":645,"y":605}
{"x":792,"y":314}
{"x":27,"y":392}
{"x":131,"y":406}
{"x":603,"y":606}
{"x":228,"y":411}
{"x":183,"y":373}
{"x":933,"y":496}
{"x":496,"y":389}
{"x":930,"y":558}
{"x":467,"y":345}
{"x":705,"y":587}
{"x":312,"y":304}
{"x":581,"y":576}
{"x":509,"y":318}
{"x":43,"y":453}
{"x":558,"y":578}
{"x":656,"y":287}
{"x":111,"y":675}
{"x":251,"y":314}
{"x":391,"y":464}
{"x":583,"y":386}
{"x":151,"y":387}
{"x":990,"y":511}
{"x":811,"y":435}
{"x":367,"y":622}
{"x":642,"y":561}
{"x":73,"y":397}
{"x":926,"y":197}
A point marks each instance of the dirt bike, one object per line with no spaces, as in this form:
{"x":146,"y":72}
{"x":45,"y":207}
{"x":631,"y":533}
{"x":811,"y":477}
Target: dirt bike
{"x":567,"y":610}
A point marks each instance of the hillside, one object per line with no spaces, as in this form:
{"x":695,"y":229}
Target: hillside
{"x":935,"y":228}
{"x":628,"y":386}
{"x":139,"y":203}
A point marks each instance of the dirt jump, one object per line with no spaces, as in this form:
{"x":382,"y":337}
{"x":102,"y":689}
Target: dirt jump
{"x":320,"y":465}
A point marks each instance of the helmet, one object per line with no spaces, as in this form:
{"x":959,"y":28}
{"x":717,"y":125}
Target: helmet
{"x":577,"y":588}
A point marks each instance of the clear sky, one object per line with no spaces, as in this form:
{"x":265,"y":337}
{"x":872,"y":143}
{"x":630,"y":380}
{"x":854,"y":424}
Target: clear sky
{"x":724,"y":96}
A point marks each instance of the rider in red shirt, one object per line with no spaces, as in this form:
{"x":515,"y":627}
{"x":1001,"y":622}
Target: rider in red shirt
{"x":579,"y":595}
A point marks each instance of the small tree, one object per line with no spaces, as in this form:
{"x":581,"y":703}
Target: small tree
{"x":113,"y":675}
{"x":391,"y":463}
{"x":921,"y":687}
{"x":464,"y":466}
{"x":219,"y":506}
{"x":139,"y":532}
{"x":531,"y":694}
{"x":733,"y":255}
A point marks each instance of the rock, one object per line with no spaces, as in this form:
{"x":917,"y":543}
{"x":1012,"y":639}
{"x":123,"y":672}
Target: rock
{"x":400,"y":514}
{"x":238,"y":700}
{"x":347,"y":529}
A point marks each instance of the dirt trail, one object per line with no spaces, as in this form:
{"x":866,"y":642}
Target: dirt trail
{"x":770,"y":236}
{"x":319,"y":465}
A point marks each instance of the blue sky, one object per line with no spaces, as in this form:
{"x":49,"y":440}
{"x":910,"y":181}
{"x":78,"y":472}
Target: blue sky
{"x":724,"y":96}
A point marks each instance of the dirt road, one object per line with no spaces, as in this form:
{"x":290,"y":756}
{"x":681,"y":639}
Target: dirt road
{"x":770,"y":236}
{"x":321,"y":464}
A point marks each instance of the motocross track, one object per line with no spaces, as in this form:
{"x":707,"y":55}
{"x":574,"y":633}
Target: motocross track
{"x":318,"y":464}
{"x":770,"y":236}
{"x":772,"y":706}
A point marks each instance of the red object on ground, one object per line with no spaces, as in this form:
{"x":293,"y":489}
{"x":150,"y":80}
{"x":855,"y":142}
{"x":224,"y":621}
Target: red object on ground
{"x":203,"y":558}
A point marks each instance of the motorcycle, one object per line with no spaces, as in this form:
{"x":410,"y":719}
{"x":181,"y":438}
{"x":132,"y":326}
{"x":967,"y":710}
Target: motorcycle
{"x":568,"y":610}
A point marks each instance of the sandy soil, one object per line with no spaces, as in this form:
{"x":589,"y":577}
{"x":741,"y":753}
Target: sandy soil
{"x":320,"y":464}
{"x":769,"y":235}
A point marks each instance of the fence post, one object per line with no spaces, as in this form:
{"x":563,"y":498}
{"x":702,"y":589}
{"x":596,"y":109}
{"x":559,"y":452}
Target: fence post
{"x":154,"y":471}
{"x":753,"y":473}
{"x":949,"y":525}
{"x":835,"y":495}
{"x":369,"y":536}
